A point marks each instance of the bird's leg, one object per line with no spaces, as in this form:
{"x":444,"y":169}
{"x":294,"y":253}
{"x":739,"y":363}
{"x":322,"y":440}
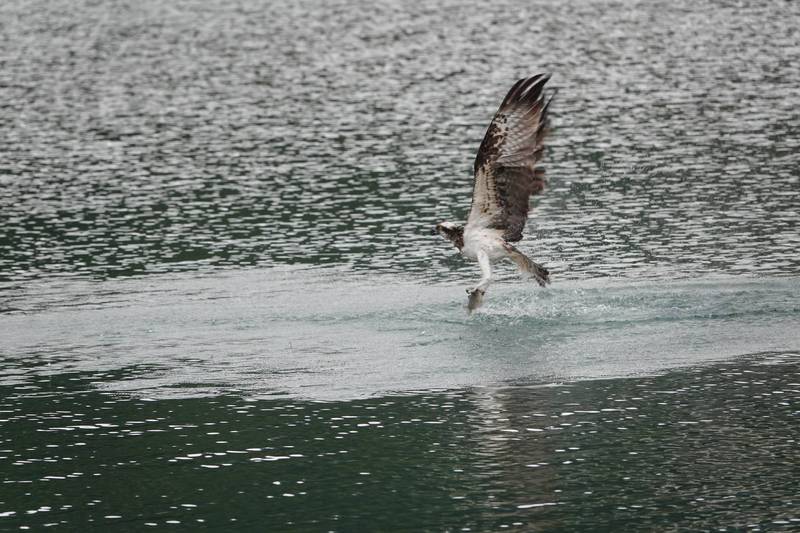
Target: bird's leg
{"x":527,"y":267}
{"x":476,"y":294}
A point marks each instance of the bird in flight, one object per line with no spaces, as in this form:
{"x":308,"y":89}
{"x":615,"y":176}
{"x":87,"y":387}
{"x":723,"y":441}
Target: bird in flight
{"x":506,"y":176}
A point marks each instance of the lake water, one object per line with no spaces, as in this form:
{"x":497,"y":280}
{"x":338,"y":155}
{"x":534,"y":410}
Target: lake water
{"x":221,"y":307}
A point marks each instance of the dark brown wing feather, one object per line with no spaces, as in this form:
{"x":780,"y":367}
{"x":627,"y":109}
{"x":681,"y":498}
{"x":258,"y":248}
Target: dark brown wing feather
{"x":505,"y":173}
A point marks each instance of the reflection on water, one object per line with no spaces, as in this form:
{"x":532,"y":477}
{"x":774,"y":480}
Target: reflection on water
{"x":705,"y":448}
{"x":160,"y":136}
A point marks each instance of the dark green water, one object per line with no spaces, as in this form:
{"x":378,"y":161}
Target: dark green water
{"x":221,"y":307}
{"x":700,"y":449}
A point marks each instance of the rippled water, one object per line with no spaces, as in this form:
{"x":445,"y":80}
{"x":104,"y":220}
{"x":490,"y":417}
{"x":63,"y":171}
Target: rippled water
{"x":163,"y":136}
{"x":221,"y":306}
{"x":700,"y":449}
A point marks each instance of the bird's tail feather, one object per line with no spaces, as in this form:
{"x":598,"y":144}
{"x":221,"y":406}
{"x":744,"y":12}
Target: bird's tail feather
{"x":528,"y":267}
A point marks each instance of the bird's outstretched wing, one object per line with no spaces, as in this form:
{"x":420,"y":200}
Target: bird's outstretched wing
{"x":505,"y":172}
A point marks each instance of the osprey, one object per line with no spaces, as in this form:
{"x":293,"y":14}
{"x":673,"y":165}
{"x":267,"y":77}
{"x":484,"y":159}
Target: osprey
{"x":505,"y":178}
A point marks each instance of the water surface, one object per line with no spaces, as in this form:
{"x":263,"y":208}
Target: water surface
{"x":221,"y":306}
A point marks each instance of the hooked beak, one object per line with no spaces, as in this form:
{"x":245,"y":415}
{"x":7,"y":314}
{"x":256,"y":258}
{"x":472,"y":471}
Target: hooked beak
{"x":435,"y":230}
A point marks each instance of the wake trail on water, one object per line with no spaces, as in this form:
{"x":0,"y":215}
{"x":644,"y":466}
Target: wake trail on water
{"x":332,"y":334}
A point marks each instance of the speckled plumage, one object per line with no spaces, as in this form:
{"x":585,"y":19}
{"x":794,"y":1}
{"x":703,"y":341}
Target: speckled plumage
{"x":506,"y":177}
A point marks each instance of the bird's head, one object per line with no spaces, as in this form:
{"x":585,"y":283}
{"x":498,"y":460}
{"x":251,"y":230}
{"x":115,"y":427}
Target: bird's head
{"x":452,"y":232}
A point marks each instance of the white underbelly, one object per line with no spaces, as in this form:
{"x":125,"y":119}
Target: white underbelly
{"x":483,"y":239}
